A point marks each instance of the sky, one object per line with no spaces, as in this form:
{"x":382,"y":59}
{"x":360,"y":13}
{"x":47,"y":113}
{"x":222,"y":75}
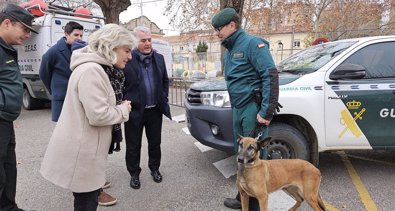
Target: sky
{"x":153,"y":10}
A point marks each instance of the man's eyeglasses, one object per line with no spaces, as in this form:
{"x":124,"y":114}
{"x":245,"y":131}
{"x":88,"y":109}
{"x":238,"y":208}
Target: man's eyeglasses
{"x":218,"y":29}
{"x":24,"y":28}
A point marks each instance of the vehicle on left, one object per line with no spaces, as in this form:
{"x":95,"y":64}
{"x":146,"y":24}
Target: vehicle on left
{"x":49,"y":22}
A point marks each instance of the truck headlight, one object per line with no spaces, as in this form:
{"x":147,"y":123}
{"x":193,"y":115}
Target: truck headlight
{"x":219,"y":99}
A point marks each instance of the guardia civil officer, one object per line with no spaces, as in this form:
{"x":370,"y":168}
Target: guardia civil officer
{"x":252,"y":82}
{"x":15,"y":29}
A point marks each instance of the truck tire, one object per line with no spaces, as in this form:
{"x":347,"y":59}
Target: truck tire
{"x":29,"y":103}
{"x":287,"y":143}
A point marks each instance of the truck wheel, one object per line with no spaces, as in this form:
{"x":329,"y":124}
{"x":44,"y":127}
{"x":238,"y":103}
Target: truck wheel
{"x":287,"y":143}
{"x":29,"y":103}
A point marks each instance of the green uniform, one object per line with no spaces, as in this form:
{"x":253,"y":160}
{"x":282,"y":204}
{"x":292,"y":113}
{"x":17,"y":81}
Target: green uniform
{"x":11,"y":87}
{"x":249,"y":66}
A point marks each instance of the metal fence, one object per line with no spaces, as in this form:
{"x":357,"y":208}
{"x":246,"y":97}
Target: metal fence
{"x":187,"y":65}
{"x":210,"y":63}
{"x":177,"y":89}
{"x":191,"y":62}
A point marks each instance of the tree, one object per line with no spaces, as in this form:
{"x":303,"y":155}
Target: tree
{"x":390,"y":24}
{"x":191,"y":15}
{"x":202,"y":47}
{"x":351,"y":19}
{"x":237,"y":4}
{"x":112,"y":8}
{"x":316,"y":8}
{"x":197,"y":15}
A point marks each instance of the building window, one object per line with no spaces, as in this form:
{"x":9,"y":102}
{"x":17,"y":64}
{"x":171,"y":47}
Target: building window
{"x":296,"y":44}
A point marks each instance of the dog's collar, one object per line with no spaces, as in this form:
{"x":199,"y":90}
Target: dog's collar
{"x":249,"y":161}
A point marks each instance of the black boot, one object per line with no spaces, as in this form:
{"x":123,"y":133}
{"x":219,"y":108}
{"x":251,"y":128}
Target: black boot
{"x":233,"y":203}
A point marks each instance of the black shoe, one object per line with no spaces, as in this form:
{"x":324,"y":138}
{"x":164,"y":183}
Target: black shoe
{"x":135,"y":182}
{"x":156,"y":176}
{"x":232,"y":203}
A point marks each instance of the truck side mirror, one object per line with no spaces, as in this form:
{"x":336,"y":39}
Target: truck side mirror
{"x":348,"y":71}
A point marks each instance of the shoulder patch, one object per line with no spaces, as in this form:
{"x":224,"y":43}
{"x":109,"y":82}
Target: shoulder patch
{"x":261,"y":45}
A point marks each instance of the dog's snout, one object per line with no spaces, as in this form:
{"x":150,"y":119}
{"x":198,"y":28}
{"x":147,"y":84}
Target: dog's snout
{"x":240,"y":159}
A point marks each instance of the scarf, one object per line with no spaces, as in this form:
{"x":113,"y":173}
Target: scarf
{"x":117,"y":80}
{"x":145,"y":59}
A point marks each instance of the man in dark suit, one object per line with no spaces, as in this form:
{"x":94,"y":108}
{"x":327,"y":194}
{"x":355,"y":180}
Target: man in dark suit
{"x":55,"y":66}
{"x":147,"y":87}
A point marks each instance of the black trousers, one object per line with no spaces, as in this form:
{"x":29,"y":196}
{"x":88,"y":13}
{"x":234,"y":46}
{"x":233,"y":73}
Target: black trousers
{"x":7,"y":166}
{"x":253,"y":203}
{"x":152,"y":122}
{"x":86,"y":201}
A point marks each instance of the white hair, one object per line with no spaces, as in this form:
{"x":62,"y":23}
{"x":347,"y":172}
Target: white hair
{"x":109,"y":37}
{"x":143,"y":29}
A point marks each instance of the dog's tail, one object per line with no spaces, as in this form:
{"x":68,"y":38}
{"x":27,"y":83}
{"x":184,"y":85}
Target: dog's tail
{"x":321,"y":203}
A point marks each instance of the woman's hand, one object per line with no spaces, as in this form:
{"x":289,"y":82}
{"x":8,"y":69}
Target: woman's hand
{"x":127,"y":103}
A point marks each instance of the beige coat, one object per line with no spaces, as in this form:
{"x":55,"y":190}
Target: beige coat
{"x":77,"y":151}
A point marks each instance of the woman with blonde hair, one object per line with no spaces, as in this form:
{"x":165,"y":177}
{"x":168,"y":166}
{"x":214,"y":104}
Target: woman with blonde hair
{"x":88,"y":128}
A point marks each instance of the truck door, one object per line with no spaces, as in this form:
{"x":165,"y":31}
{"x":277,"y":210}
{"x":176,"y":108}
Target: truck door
{"x":360,"y":113}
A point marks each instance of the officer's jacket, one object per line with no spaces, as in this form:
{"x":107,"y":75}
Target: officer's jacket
{"x":249,"y":66}
{"x":11,"y":87}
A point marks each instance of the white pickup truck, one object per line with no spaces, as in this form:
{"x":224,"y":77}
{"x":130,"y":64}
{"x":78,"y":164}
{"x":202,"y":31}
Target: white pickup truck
{"x":335,"y":96}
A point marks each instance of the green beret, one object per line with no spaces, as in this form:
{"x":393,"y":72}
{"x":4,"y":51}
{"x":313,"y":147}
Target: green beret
{"x":223,"y":17}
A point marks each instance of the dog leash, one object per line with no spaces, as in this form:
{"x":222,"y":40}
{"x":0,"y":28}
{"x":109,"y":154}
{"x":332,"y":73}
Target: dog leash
{"x":258,"y":127}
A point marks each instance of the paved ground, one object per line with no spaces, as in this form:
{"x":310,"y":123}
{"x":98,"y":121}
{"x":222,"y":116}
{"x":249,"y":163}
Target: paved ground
{"x":197,"y":177}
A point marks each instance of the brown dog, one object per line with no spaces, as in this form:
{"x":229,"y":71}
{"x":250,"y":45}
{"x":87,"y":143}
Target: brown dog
{"x":257,"y":178}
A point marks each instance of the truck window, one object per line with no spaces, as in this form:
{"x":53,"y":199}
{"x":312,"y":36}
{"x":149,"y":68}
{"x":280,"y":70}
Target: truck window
{"x":313,"y":58}
{"x":378,"y":59}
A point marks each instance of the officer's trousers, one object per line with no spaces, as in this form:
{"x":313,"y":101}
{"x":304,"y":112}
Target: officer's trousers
{"x":7,"y":166}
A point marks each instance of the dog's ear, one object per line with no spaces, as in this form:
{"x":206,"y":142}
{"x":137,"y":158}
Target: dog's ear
{"x":263,"y":143}
{"x":239,"y":138}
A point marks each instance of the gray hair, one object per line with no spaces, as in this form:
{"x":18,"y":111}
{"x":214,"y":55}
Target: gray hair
{"x":109,"y":37}
{"x":143,"y":29}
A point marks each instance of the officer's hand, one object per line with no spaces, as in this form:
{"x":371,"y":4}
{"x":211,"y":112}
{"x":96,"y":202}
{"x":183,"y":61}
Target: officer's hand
{"x":262,"y":120}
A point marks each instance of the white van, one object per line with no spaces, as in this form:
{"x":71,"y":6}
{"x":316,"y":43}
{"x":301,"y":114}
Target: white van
{"x":335,"y":96}
{"x":51,"y":28}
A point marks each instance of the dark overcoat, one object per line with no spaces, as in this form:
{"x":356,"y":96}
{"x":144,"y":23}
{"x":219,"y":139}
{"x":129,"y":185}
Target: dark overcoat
{"x":55,"y":73}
